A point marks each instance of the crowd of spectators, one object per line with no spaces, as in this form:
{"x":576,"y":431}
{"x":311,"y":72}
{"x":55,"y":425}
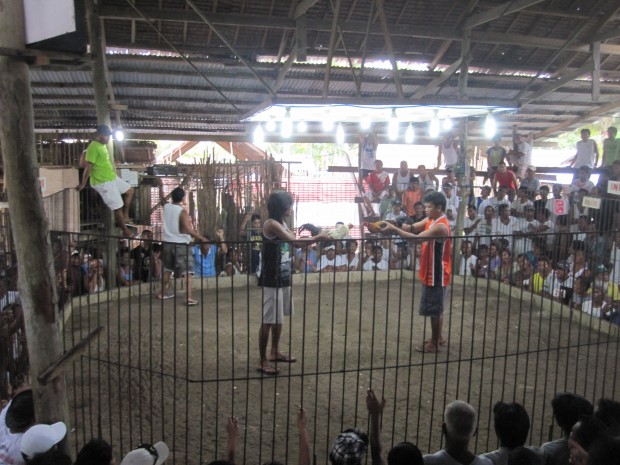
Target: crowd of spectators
{"x":588,"y":436}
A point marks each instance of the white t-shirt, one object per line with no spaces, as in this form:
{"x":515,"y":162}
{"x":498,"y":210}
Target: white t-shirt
{"x":10,"y":444}
{"x":524,"y":244}
{"x":467,"y":264}
{"x":371,"y":266}
{"x":338,"y":261}
{"x":368,"y":155}
{"x":585,"y":154}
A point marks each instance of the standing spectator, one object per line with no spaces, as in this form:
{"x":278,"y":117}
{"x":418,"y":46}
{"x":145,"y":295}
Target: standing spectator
{"x":41,"y":438}
{"x":428,"y":180}
{"x":452,"y":201}
{"x":530,"y":181}
{"x":147,"y":454}
{"x":485,"y":192}
{"x":254,"y":236}
{"x":582,"y":180}
{"x":349,"y":448}
{"x":207,"y":255}
{"x":411,"y":196}
{"x":275,"y":278}
{"x":378,"y":184}
{"x":504,"y":178}
{"x":95,"y":452}
{"x":521,"y":154}
{"x":143,"y":260}
{"x":17,"y":417}
{"x":449,"y":149}
{"x":116,"y":193}
{"x":471,"y":222}
{"x":512,"y":425}
{"x":178,"y":233}
{"x":368,"y":145}
{"x":396,"y":213}
{"x":459,"y":426}
{"x":504,"y":225}
{"x":435,"y":263}
{"x":587,"y":152}
{"x":495,"y":155}
{"x":400,"y":179}
{"x":611,"y":147}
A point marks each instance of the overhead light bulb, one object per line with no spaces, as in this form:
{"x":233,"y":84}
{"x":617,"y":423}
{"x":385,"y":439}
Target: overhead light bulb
{"x":302,"y":126}
{"x":393,"y":126}
{"x":286,"y":130}
{"x":259,"y":135}
{"x":339,"y":134}
{"x":119,"y":135}
{"x":409,"y":134}
{"x":433,"y":129}
{"x":365,"y":123}
{"x":447,"y":124}
{"x":270,"y":126}
{"x":490,"y":127}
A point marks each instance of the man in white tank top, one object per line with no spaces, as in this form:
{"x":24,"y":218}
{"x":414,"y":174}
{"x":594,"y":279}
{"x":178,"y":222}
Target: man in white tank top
{"x":178,"y":234}
{"x":450,"y":151}
{"x":587,"y":152}
{"x":400,"y":180}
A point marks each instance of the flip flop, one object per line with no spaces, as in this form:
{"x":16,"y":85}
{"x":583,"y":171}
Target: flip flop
{"x":269,"y":371}
{"x":165,"y":297}
{"x":425,"y":349}
{"x":191,"y":302}
{"x":283,"y":358}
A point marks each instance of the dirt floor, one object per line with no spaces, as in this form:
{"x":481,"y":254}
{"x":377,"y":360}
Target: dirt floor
{"x":162,"y":370}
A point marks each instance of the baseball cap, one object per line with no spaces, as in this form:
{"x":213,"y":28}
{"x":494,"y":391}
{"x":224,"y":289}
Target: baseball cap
{"x":330,"y":247}
{"x":147,"y":454}
{"x":104,"y":129}
{"x":349,"y":447}
{"x":41,"y":438}
{"x":75,"y":252}
{"x":532,"y":169}
{"x":563,"y":265}
{"x":20,"y":412}
{"x":601,"y":269}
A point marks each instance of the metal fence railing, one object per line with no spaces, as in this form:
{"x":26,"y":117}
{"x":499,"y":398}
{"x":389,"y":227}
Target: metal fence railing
{"x":163,"y":370}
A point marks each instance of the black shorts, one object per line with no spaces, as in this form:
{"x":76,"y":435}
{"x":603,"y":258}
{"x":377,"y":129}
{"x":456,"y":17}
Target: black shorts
{"x":431,"y":302}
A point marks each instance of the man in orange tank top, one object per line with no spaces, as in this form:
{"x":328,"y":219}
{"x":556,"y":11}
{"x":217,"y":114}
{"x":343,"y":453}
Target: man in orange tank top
{"x":435,"y":263}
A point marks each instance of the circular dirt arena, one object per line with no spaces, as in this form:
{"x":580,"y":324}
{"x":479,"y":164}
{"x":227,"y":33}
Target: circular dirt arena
{"x":163,"y":371}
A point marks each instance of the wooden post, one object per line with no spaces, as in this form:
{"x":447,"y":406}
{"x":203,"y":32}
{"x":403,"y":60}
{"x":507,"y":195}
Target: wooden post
{"x":37,"y":284}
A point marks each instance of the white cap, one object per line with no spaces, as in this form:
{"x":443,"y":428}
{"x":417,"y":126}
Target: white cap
{"x":41,"y":438}
{"x":145,"y":454}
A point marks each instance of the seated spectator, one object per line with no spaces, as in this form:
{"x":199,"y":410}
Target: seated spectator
{"x":503,"y":272}
{"x":521,"y":202}
{"x":142,"y":255}
{"x":512,"y":425}
{"x":482,"y":263}
{"x":495,"y":258}
{"x":94,"y":282}
{"x":522,"y":272}
{"x":95,"y":452}
{"x":305,"y":261}
{"x":561,"y":287}
{"x":396,"y":212}
{"x":530,"y":182}
{"x":452,"y":201}
{"x":376,"y":262}
{"x":567,"y":409}
{"x":614,"y":258}
{"x":207,"y":254}
{"x":582,"y":180}
{"x":147,"y":454}
{"x":585,"y":432}
{"x":353,"y":259}
{"x":580,"y":229}
{"x":51,"y":457}
{"x":467,"y":265}
{"x":526,"y":227}
{"x":546,"y":227}
{"x":349,"y":448}
{"x":608,"y":411}
{"x":459,"y":427}
{"x":41,"y":438}
{"x":17,"y":416}
{"x":611,"y":293}
{"x":541,"y":202}
{"x":399,"y":259}
{"x":386,"y":204}
{"x":73,"y":275}
{"x":577,"y":208}
{"x":234,"y":265}
{"x":540,"y":281}
{"x":505,"y":225}
{"x":594,"y":304}
{"x":419,"y":212}
{"x":411,"y":196}
{"x":450,"y":215}
{"x":562,"y":239}
{"x":471,"y":221}
{"x":580,"y":292}
{"x":485,"y":192}
{"x":331,"y":262}
{"x":403,"y":453}
{"x":525,"y":456}
{"x":124,"y":274}
{"x":428,"y":181}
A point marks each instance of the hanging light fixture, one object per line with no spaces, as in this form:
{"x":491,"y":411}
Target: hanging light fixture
{"x":365,"y":123}
{"x":339,"y":134}
{"x":409,"y":134}
{"x":433,"y":129}
{"x":119,"y":135}
{"x":258,"y":135}
{"x":270,"y":126}
{"x":286,"y":129}
{"x":302,"y":126}
{"x":490,"y":127}
{"x":447,"y":124}
{"x":393,"y":126}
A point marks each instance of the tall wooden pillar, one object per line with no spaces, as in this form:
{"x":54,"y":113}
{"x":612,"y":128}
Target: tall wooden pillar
{"x":37,"y":284}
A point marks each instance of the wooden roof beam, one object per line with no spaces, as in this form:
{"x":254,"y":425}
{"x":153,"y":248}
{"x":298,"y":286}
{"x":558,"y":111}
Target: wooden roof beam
{"x":580,"y":119}
{"x":435,"y":83}
{"x":570,"y":76}
{"x":497,"y":12}
{"x":390,"y":48}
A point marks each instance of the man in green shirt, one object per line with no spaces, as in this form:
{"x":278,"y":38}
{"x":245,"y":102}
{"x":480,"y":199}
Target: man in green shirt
{"x":611,"y":147}
{"x":115,"y":192}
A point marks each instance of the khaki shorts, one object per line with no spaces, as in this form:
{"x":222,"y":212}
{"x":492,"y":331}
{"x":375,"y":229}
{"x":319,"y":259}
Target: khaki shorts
{"x":178,"y":258}
{"x":111,"y":192}
{"x":277,"y":303}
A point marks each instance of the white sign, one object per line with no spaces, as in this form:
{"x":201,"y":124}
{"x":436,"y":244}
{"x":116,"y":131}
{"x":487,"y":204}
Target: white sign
{"x":591,"y":202}
{"x":130,"y":176}
{"x":613,"y":187}
{"x":48,"y":18}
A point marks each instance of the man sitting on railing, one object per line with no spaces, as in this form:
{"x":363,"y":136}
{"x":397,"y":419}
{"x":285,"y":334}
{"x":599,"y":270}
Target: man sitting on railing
{"x":116,"y":193}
